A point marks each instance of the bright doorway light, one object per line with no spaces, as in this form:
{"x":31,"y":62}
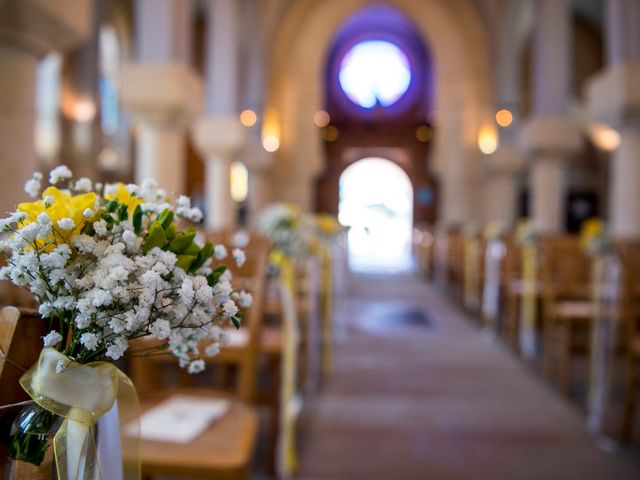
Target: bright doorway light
{"x":375,"y":72}
{"x":376,"y":201}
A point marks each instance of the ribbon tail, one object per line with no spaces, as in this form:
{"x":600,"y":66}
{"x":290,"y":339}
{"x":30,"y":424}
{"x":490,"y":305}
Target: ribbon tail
{"x":75,"y":452}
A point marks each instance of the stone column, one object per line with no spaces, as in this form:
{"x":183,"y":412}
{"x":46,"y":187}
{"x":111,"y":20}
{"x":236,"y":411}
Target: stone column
{"x":550,"y":136}
{"x":614,"y":98}
{"x":501,"y":190}
{"x":259,"y":162}
{"x":162,"y":91}
{"x":23,"y":42}
{"x":549,"y":143}
{"x":219,"y":138}
{"x":219,"y":134}
{"x":163,"y":99}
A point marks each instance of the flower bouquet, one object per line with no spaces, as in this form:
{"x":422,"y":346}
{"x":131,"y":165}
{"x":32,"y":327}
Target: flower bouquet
{"x":108,"y":264}
{"x":289,"y":230}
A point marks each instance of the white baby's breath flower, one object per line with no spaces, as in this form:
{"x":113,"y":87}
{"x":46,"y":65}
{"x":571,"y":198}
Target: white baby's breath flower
{"x":88,"y":213}
{"x":48,"y":201}
{"x":229,"y":308}
{"x":243,"y":299}
{"x":66,"y":224}
{"x":51,"y":339}
{"x":89,"y":340}
{"x":117,"y":348}
{"x":212,"y":350}
{"x":100,"y":227}
{"x":83,"y":185}
{"x":220,"y":252}
{"x":239,"y":256}
{"x":59,"y":173}
{"x":183,"y":202}
{"x":196,"y":366}
{"x":160,"y":329}
{"x":186,"y":291}
{"x":33,"y":185}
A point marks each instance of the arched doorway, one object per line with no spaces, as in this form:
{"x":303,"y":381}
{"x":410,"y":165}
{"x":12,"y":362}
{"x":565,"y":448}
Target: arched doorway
{"x":376,"y":202}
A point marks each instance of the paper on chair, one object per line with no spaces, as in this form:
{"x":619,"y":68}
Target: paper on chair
{"x":181,"y":418}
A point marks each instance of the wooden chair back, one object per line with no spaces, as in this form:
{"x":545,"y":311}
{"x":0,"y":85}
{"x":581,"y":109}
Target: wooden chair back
{"x":564,"y":266}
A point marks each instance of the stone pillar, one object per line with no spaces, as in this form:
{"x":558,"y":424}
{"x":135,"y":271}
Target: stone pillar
{"x":550,"y":137}
{"x":219,"y":139}
{"x":23,"y":42}
{"x":219,"y":135}
{"x":549,"y":142}
{"x":259,"y":162}
{"x":614,"y":98}
{"x":163,"y":99}
{"x":501,"y":190}
{"x":162,"y":91}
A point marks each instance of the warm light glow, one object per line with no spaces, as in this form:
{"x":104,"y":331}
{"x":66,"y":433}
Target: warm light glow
{"x":79,"y":109}
{"x":423,"y":133}
{"x":604,"y":137}
{"x":488,"y":140}
{"x":504,"y":117}
{"x":248,"y":118}
{"x":239,"y":177}
{"x":330,"y":134}
{"x":108,"y":159}
{"x":375,"y":72}
{"x":271,"y":143}
{"x":321,"y":118}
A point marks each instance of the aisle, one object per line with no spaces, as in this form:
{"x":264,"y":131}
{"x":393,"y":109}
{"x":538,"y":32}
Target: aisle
{"x":424,"y":395}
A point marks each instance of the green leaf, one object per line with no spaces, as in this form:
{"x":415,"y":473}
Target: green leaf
{"x":171,"y":231}
{"x":204,"y":253}
{"x":112,"y":206}
{"x":123,"y":212}
{"x":182,"y":241}
{"x":165,"y":218}
{"x":236,"y":322}
{"x":137,"y":219}
{"x":192,"y":249}
{"x":155,"y":237}
{"x":185,"y":261}
{"x":213,"y":277}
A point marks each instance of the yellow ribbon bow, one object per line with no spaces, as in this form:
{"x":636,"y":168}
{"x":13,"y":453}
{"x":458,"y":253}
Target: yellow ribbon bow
{"x":82,"y":394}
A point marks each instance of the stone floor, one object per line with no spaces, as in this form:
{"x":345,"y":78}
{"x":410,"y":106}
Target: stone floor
{"x":420,"y":393}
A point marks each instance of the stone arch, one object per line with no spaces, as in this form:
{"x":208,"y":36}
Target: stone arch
{"x":454,"y":34}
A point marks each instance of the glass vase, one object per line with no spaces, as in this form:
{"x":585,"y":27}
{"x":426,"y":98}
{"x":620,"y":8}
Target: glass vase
{"x":31,"y":447}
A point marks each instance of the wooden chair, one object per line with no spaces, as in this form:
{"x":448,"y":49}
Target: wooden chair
{"x":473,"y":272}
{"x":20,"y":346}
{"x":225,"y":450}
{"x":629,"y":252}
{"x":568,"y":306}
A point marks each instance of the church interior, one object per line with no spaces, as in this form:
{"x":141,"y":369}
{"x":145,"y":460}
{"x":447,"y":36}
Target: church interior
{"x":416,"y":250}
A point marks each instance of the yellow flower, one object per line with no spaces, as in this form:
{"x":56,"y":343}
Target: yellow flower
{"x":63,"y":205}
{"x":123,"y":195}
{"x":590,"y":229}
{"x":328,"y":224}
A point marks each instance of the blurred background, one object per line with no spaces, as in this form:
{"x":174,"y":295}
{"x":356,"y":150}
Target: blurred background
{"x":430,"y":128}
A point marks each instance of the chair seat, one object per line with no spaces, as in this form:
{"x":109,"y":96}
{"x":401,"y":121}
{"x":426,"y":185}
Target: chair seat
{"x":223,"y":451}
{"x":271,"y":341}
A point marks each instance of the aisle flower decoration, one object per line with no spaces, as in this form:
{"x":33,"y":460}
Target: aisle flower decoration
{"x":594,"y":237}
{"x":107,"y":265}
{"x":289,"y":230}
